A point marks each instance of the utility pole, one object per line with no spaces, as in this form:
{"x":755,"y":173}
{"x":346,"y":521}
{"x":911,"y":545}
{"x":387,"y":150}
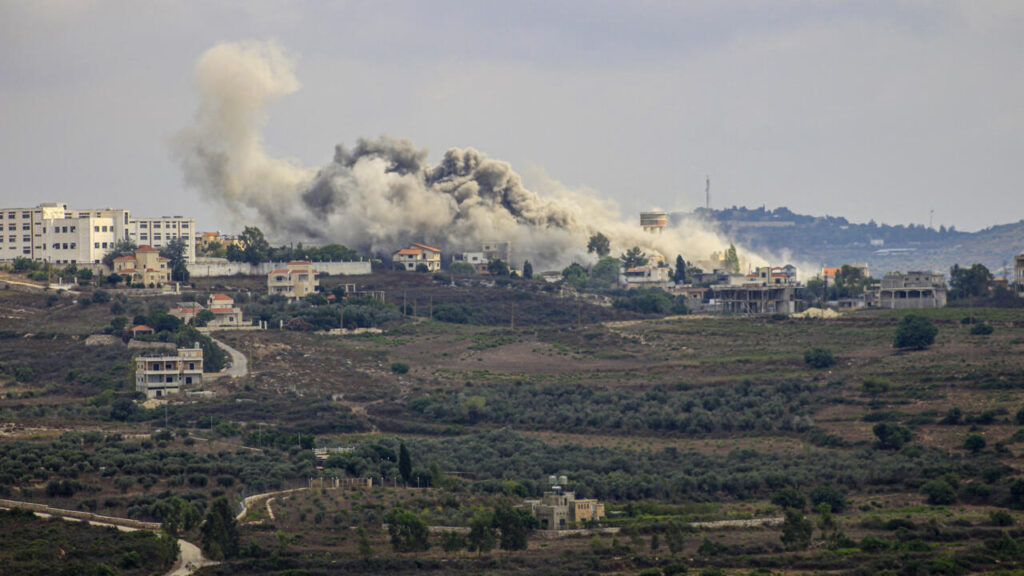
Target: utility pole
{"x":707,"y":192}
{"x":512,"y":320}
{"x":404,"y":302}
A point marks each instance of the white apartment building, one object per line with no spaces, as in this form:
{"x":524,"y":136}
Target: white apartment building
{"x":52,"y":232}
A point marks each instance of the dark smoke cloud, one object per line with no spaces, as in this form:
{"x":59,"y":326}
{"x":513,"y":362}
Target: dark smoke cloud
{"x":382,"y":193}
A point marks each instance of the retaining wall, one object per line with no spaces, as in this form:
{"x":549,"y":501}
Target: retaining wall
{"x":207,"y":267}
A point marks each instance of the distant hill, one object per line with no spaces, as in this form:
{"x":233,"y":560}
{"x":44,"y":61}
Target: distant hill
{"x":833,"y":241}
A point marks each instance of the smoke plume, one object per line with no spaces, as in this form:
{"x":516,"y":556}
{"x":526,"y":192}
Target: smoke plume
{"x":382,"y":193}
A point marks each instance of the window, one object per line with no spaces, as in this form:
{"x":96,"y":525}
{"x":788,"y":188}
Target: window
{"x":73,"y":245}
{"x":156,"y":224}
{"x":184,"y":225}
{"x":26,"y":227}
{"x":65,"y":245}
{"x":104,"y":244}
{"x":72,"y":228}
{"x":143,"y":225}
{"x":144,"y":237}
{"x":191,"y":365}
{"x":12,"y":227}
{"x":96,"y":245}
{"x":170,"y":379}
{"x":10,"y":215}
{"x":26,"y":238}
{"x":64,"y":229}
{"x":95,"y":228}
{"x":156,"y":236}
{"x":26,"y":214}
{"x":12,"y":238}
{"x":104,"y":228}
{"x":26,"y":250}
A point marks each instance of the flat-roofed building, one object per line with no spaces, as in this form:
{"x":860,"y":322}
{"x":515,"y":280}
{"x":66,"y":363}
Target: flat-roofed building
{"x":157,"y":375}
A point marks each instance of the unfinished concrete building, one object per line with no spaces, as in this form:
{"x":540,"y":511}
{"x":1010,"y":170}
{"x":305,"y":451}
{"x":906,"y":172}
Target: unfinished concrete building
{"x":915,"y":289}
{"x":754,"y":299}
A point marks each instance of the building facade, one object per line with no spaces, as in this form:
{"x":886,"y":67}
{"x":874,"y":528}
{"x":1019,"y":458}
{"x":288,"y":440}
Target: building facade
{"x":414,"y":255}
{"x":147,"y":267}
{"x":560,"y":510}
{"x":159,"y":375}
{"x":914,"y":289}
{"x":298,"y":280}
{"x":53,"y":232}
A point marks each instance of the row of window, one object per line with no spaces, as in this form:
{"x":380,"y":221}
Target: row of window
{"x":184,"y":225}
{"x":11,"y":215}
{"x":64,"y":246}
{"x":14,"y":238}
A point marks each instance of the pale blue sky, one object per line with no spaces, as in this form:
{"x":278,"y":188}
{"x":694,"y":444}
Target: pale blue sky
{"x":879,"y":110}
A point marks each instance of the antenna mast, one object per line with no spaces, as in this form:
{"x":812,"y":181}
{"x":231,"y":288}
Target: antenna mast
{"x":707,"y":192}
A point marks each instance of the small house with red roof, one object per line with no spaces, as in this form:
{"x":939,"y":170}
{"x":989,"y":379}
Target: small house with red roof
{"x":297,"y":280}
{"x":415,"y":254}
{"x":146,"y":267}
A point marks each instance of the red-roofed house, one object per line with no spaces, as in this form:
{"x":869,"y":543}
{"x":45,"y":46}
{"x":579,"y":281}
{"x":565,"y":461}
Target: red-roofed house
{"x":223,"y":308}
{"x":298,"y":280}
{"x":416,"y":254}
{"x":147,"y":267}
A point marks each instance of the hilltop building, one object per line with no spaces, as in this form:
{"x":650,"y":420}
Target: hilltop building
{"x":415,"y":254}
{"x":296,"y":281}
{"x":654,"y":221}
{"x":559,"y":510}
{"x":225,"y":314}
{"x":147,"y":267}
{"x":158,"y":375}
{"x":489,"y":252}
{"x":915,"y":289}
{"x":52,"y":232}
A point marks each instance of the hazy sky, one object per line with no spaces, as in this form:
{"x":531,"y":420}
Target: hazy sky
{"x":881,"y":110}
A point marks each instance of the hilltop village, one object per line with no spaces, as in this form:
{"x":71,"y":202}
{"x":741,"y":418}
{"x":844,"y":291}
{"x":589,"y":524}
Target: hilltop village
{"x":315,"y":409}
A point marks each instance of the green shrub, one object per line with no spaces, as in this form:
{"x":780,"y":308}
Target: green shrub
{"x":916,"y":332}
{"x":819,"y":358}
{"x":399,"y":367}
{"x":939,"y":493}
{"x":981,"y":329}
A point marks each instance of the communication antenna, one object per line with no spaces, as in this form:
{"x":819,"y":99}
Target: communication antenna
{"x":707,"y":192}
{"x":931,"y":214}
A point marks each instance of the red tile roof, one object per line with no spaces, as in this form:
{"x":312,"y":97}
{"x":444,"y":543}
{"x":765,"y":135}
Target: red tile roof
{"x":279,"y":272}
{"x":223,"y":310}
{"x":408,"y":252}
{"x":146,"y":248}
{"x":424,"y":246}
{"x":141,"y":328}
{"x":208,"y":234}
{"x":124,"y":258}
{"x":300,"y":263}
{"x":220,"y":297}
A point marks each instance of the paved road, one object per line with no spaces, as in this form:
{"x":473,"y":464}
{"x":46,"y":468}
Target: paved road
{"x":239,"y":363}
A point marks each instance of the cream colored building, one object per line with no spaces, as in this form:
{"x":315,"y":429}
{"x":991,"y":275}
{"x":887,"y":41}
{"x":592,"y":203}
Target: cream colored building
{"x":147,"y":267}
{"x":416,"y":254}
{"x":298,"y":280}
{"x":559,"y":510}
{"x":159,"y":375}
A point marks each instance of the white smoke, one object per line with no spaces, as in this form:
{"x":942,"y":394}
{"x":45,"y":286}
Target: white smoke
{"x":382,"y":193}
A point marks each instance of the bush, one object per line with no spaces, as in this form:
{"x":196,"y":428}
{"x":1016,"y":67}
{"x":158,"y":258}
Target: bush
{"x":981,"y":329}
{"x":789,"y":497}
{"x":891,"y":436}
{"x":819,"y":358}
{"x":974,"y":443}
{"x":939,"y":493}
{"x":399,"y":367}
{"x":829,"y":495}
{"x":1001,"y":518}
{"x":916,"y":332}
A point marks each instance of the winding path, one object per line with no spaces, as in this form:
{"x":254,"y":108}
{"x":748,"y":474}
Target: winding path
{"x":190,"y":557}
{"x":239,"y":363}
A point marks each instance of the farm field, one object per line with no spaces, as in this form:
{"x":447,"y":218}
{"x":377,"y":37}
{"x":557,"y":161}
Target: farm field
{"x":671,"y":421}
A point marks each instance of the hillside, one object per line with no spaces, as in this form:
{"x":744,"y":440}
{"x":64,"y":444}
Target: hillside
{"x":833,"y":241}
{"x":669,"y":421}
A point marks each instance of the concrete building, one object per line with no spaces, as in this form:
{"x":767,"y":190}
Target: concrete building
{"x":53,"y":232}
{"x":560,"y":510}
{"x":226,"y":315}
{"x":1018,"y":274}
{"x":914,"y":289}
{"x":654,"y":221}
{"x":497,"y":251}
{"x":298,"y":280}
{"x":415,"y":254}
{"x":147,"y":267}
{"x":158,"y":375}
{"x":648,"y":276}
{"x":754,"y":298}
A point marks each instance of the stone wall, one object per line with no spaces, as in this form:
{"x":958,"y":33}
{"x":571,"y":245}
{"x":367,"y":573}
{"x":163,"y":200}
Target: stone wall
{"x":207,"y":267}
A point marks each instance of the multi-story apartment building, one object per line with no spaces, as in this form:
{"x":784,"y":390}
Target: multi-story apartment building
{"x":296,"y":281}
{"x":558,"y":510}
{"x":52,"y":232}
{"x":160,"y":374}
